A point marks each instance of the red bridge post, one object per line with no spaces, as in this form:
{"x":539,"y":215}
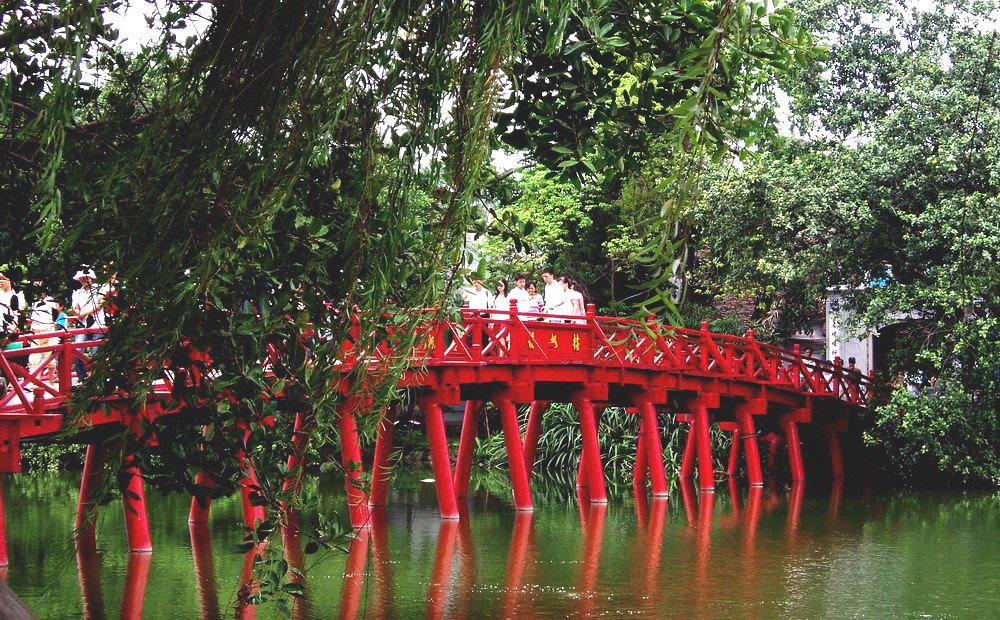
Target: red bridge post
{"x":744,"y":413}
{"x":381,"y":467}
{"x":86,"y":507}
{"x":134,"y":501}
{"x":653,"y":451}
{"x":301,"y":431}
{"x":350,"y":449}
{"x":466,"y":446}
{"x":249,"y":486}
{"x":532,"y":431}
{"x":591,"y":458}
{"x":444,"y":484}
{"x":515,"y":454}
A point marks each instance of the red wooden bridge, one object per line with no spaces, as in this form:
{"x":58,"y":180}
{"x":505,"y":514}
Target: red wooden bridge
{"x":507,"y":359}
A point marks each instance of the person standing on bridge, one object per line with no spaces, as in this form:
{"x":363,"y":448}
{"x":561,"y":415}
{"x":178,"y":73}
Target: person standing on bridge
{"x":11,"y":305}
{"x":554,"y":293}
{"x":520,"y":293}
{"x":479,"y":300}
{"x":477,"y":297}
{"x":535,"y":300}
{"x":574,"y":299}
{"x":88,"y":307}
{"x":45,"y":312}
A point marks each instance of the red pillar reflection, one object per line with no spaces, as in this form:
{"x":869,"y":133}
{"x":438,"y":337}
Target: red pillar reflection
{"x":593,"y":540}
{"x":248,"y":585}
{"x":689,"y":499}
{"x":703,"y":551}
{"x":136,"y":577}
{"x":354,"y":575}
{"x":795,"y":496}
{"x":519,"y":559}
{"x":291,"y":540}
{"x":89,"y":567}
{"x":381,"y":562}
{"x":204,"y":569}
{"x":654,"y":545}
{"x":437,"y":596}
{"x":836,"y":494}
{"x":467,"y":571}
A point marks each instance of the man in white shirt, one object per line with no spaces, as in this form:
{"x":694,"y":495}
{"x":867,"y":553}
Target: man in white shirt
{"x":520,"y":293}
{"x":477,"y":297}
{"x":555,"y":296}
{"x":11,"y":305}
{"x":88,"y":307}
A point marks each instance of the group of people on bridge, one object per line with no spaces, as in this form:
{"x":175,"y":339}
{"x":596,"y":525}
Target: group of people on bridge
{"x":559,"y":298}
{"x":35,"y":310}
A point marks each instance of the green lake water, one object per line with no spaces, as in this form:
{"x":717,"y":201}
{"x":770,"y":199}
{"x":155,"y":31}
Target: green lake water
{"x":788,"y":553}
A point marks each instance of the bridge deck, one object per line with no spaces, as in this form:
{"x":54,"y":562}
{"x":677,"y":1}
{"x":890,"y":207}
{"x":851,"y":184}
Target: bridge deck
{"x":508,"y":358}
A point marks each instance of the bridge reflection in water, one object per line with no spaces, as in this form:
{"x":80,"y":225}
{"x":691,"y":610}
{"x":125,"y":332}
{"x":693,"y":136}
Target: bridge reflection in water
{"x":669,"y":562}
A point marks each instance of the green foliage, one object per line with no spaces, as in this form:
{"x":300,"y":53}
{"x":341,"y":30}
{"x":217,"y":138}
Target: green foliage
{"x":905,"y":215}
{"x":55,"y":456}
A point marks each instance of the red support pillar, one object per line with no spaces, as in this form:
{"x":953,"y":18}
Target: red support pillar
{"x":836,"y":456}
{"x":581,"y":473}
{"x":200,"y":504}
{"x":640,"y":466}
{"x":301,"y":431}
{"x":515,"y":454}
{"x":86,"y":507}
{"x":591,"y":450}
{"x":533,"y":431}
{"x":440,"y":457}
{"x":654,"y":451}
{"x":466,"y":446}
{"x":381,"y":467}
{"x":706,"y":468}
{"x":252,"y":512}
{"x":751,"y":450}
{"x":734,"y":454}
{"x":350,"y":450}
{"x":795,"y":465}
{"x":134,"y":501}
{"x":690,"y":446}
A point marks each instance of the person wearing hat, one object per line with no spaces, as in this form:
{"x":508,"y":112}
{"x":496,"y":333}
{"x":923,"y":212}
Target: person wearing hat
{"x":88,"y":307}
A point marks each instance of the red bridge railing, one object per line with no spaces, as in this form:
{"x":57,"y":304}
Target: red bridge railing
{"x":477,"y":337}
{"x":517,"y":338}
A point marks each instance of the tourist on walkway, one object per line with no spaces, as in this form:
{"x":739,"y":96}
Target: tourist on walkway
{"x":554,"y":293}
{"x":11,"y":306}
{"x":477,"y":298}
{"x":45,"y":313}
{"x":535,"y":301}
{"x":575,"y":300}
{"x":520,"y":293}
{"x":500,"y":300}
{"x":88,"y":305}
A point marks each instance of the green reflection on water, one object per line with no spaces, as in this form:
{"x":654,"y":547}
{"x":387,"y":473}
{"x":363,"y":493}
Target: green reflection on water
{"x":755,"y":553}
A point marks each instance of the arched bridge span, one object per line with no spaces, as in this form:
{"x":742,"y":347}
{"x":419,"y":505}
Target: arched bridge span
{"x":507,"y":359}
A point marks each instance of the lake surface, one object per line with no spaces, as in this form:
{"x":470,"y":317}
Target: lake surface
{"x":802,"y":552}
